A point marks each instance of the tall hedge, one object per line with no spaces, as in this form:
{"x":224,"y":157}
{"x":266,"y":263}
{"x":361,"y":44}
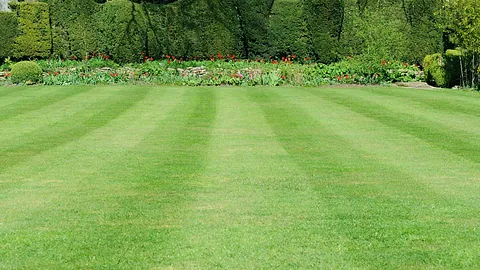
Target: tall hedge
{"x":423,"y":33}
{"x":8,"y":28}
{"x":122,"y":30}
{"x":34,"y":36}
{"x":287,"y":31}
{"x":325,"y":30}
{"x":73,"y":26}
{"x":191,"y":28}
{"x":324,"y":22}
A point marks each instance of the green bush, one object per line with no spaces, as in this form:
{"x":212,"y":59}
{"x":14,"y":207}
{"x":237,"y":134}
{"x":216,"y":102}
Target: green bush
{"x":443,"y":70}
{"x":452,"y":66}
{"x":434,"y":69}
{"x":191,"y":29}
{"x":287,"y":32}
{"x":73,"y":25}
{"x":34,"y":37}
{"x":122,"y":30}
{"x":26,"y":72}
{"x":324,"y":21}
{"x":8,"y":28}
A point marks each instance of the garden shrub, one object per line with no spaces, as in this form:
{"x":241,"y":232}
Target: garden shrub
{"x":74,"y":32}
{"x":287,"y":31}
{"x":443,"y":70}
{"x":26,"y":72}
{"x":434,"y":69}
{"x":8,"y":28}
{"x":34,"y":37}
{"x":210,"y":26}
{"x":122,"y":30}
{"x":324,"y":23}
{"x":452,"y":66}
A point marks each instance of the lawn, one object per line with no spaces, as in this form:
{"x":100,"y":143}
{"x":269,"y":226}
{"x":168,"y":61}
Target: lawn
{"x":147,"y":177}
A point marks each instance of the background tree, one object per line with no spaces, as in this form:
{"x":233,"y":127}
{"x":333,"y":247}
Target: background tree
{"x":461,"y":20}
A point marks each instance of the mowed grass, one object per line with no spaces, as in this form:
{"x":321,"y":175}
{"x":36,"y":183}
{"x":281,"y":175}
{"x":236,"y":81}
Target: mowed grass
{"x":144,"y":177}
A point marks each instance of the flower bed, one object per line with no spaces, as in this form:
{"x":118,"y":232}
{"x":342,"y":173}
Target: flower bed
{"x":224,"y":70}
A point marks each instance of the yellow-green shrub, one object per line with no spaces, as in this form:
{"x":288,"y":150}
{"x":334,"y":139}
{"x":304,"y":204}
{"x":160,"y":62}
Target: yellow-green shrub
{"x":443,"y":70}
{"x":26,"y":71}
{"x":34,"y":38}
{"x":434,"y":68}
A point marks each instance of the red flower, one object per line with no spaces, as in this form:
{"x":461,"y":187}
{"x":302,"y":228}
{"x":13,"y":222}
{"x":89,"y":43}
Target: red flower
{"x":384,"y":62}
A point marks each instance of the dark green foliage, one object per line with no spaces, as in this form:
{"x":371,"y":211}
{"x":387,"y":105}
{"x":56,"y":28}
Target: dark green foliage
{"x":34,"y":36}
{"x":122,"y":30}
{"x":8,"y":30}
{"x":423,"y":34}
{"x":73,"y":26}
{"x":191,"y":29}
{"x":452,"y":67}
{"x":253,"y":16}
{"x":325,"y":30}
{"x":324,"y":22}
{"x":287,"y":32}
{"x":444,"y":70}
{"x":390,"y":29}
{"x":434,"y":68}
{"x":26,"y":71}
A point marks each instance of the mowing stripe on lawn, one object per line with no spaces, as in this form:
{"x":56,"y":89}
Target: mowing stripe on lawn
{"x":32,"y":121}
{"x":71,"y":129}
{"x":86,"y":196}
{"x":37,"y":101}
{"x":456,"y":143}
{"x":16,"y":94}
{"x":144,"y":194}
{"x":396,"y":148}
{"x":254,"y":207}
{"x":370,"y":204}
{"x":6,"y":91}
{"x":236,"y":178}
{"x":447,"y":100}
{"x":462,"y":117}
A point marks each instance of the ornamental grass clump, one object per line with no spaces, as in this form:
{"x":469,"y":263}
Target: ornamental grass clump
{"x":26,"y":72}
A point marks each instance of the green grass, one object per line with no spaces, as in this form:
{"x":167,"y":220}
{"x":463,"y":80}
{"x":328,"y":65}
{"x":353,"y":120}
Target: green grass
{"x":140,"y":177}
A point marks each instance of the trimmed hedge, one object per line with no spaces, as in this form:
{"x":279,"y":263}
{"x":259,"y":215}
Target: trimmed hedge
{"x":74,"y":29}
{"x":34,"y":36}
{"x":122,"y":30}
{"x":287,"y":31}
{"x":26,"y":72}
{"x":324,"y":22}
{"x":443,"y":70}
{"x":325,"y":30}
{"x":193,"y":29}
{"x":8,"y":28}
{"x":434,"y":68}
